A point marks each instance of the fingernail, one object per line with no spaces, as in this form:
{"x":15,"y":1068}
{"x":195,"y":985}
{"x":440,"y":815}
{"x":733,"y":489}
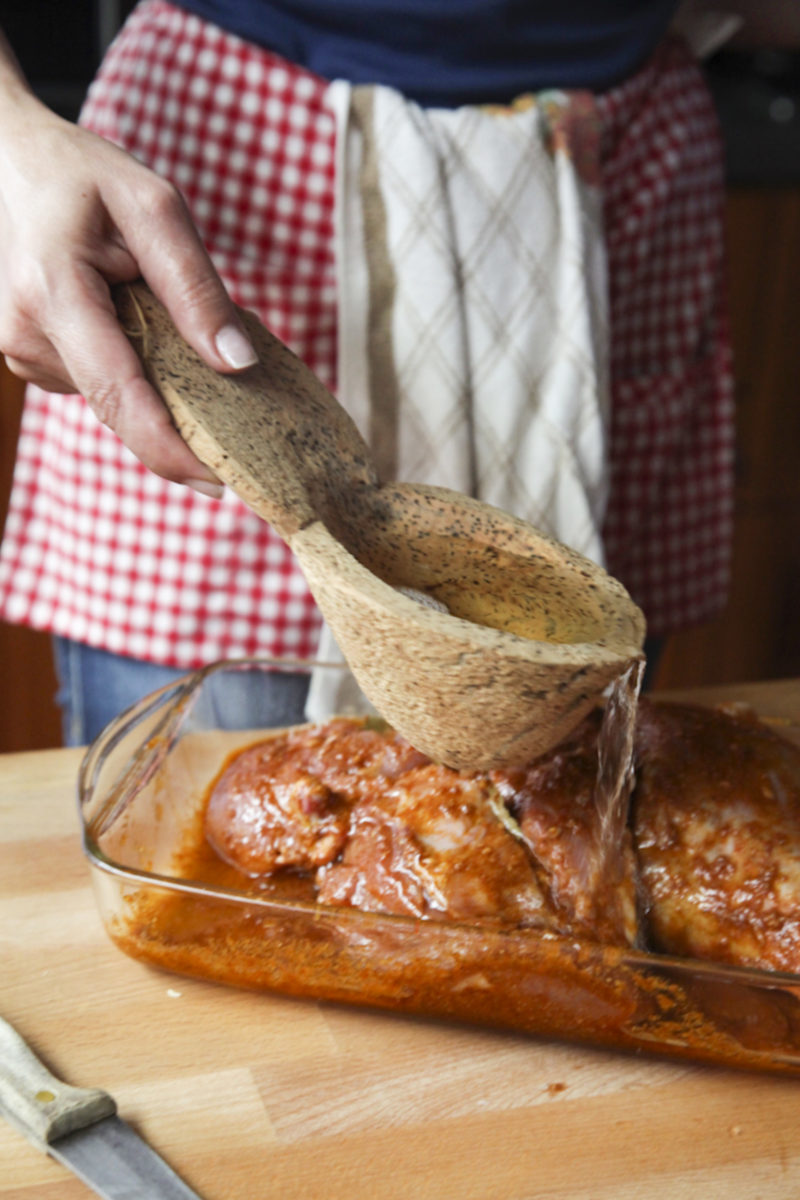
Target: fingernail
{"x":235,"y":348}
{"x":215,"y":490}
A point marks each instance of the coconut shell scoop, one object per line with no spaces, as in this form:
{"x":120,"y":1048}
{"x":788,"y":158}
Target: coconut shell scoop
{"x":534,"y":632}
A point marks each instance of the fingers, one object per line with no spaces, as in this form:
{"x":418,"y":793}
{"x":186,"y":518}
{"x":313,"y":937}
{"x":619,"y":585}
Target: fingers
{"x":99,"y":362}
{"x":72,"y":342}
{"x":138,"y":417}
{"x":35,"y":371}
{"x":108,"y":219}
{"x":161,"y":238}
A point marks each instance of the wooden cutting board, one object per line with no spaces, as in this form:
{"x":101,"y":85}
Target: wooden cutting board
{"x":252,"y":1096}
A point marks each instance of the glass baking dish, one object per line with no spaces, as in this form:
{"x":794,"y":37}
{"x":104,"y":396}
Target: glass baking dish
{"x":142,"y":787}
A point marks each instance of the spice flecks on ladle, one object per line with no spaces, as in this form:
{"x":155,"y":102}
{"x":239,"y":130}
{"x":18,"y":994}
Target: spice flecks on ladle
{"x":534,"y":631}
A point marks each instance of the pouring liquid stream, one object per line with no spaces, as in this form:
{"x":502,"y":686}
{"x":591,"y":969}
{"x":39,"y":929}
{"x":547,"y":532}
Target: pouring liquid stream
{"x":604,"y":867}
{"x":614,"y":781}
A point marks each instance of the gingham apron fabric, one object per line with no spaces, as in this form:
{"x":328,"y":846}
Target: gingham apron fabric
{"x":98,"y":549}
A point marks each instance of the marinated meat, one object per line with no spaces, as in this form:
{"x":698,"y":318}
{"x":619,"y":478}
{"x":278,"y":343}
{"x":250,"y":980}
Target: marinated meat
{"x":709,"y":868}
{"x":553,"y":800}
{"x":267,"y":811}
{"x":286,"y":801}
{"x":716,"y":822}
{"x":383,"y":828}
{"x":352,"y":758}
{"x":432,"y":843}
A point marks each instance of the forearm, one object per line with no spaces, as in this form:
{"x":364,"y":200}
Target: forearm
{"x":10,"y":70}
{"x":26,"y":124}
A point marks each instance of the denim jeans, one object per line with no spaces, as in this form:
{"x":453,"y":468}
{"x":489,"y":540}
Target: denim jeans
{"x":96,"y":685}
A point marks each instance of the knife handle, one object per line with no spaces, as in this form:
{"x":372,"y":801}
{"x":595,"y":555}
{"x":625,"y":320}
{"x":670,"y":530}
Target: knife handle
{"x":39,"y":1104}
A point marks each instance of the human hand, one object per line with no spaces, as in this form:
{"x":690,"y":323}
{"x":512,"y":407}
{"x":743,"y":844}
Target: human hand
{"x":76,"y":215}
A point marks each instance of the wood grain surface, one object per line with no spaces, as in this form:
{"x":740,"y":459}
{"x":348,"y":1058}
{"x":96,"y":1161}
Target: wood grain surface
{"x":252,"y":1096}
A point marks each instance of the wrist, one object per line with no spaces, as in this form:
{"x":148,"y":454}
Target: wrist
{"x":17,"y":99}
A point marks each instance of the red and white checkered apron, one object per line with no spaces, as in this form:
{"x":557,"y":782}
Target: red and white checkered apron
{"x":100,"y":550}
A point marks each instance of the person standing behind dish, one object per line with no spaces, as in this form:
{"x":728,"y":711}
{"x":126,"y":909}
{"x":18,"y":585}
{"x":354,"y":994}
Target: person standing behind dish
{"x":140,"y":579}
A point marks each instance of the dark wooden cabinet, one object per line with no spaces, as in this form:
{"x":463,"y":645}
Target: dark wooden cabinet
{"x":758,"y":636}
{"x":29,"y":718}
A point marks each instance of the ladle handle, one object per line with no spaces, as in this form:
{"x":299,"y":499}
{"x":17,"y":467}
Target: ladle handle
{"x":273,"y":433}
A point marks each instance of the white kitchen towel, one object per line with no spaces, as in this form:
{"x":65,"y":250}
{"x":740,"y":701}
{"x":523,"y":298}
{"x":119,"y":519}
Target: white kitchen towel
{"x":472,"y":301}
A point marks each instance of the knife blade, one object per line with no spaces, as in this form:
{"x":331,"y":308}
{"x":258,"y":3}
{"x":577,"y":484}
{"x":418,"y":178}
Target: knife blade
{"x":80,"y":1127}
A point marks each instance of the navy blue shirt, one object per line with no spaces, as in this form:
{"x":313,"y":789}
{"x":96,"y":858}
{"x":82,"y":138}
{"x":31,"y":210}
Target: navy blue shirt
{"x":450,"y":52}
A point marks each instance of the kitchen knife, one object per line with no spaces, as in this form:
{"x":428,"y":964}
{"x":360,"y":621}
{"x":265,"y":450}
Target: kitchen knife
{"x":80,"y":1128}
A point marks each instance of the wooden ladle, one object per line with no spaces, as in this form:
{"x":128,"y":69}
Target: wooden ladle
{"x":535,"y":632}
